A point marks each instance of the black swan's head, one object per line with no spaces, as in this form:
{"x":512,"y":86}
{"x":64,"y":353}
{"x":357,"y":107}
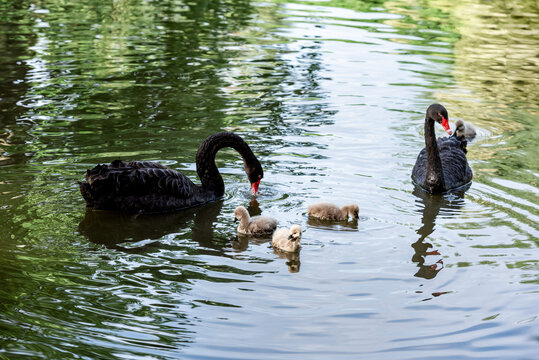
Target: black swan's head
{"x":438,"y":113}
{"x":255,"y":173}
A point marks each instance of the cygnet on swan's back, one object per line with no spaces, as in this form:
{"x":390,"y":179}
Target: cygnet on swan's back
{"x":256,"y":225}
{"x":287,"y":239}
{"x":327,"y":211}
{"x":466,"y":130}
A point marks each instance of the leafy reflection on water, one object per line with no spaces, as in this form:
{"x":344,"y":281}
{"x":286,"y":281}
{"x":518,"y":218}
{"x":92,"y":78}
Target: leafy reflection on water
{"x":331,"y":97}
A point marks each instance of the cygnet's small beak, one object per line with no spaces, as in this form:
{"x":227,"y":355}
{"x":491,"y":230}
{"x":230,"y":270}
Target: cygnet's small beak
{"x":235,"y":220}
{"x":291,"y":237}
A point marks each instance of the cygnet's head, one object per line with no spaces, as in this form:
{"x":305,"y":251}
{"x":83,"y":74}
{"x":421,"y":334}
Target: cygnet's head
{"x":353,"y":210}
{"x":295,"y":233}
{"x":240,"y":213}
{"x":460,"y":129}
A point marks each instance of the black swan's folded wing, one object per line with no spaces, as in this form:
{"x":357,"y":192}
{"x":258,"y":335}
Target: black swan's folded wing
{"x":456,"y":170}
{"x":138,"y":186}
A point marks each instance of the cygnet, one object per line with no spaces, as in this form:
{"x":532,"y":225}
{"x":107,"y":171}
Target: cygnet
{"x":466,"y":130}
{"x":287,"y":239}
{"x":256,"y":225}
{"x":327,"y":211}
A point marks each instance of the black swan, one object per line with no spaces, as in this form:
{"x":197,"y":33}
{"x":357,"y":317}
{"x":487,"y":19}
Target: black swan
{"x":147,"y":187}
{"x":442,"y":164}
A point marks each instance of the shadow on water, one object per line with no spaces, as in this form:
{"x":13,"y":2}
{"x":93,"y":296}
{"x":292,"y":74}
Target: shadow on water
{"x":344,"y":225}
{"x":432,"y":205}
{"x":242,"y":242}
{"x":113,"y":228}
{"x":292,"y":259}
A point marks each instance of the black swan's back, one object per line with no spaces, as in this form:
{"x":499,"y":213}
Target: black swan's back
{"x":455,"y":168}
{"x":139,"y":187}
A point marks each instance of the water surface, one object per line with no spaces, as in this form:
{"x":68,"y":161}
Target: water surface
{"x":331,"y":97}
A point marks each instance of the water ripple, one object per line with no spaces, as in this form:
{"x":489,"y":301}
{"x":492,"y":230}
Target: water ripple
{"x":332,"y":101}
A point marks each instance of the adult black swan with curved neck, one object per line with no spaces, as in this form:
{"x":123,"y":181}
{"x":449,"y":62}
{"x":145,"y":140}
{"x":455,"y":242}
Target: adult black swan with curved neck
{"x":148,"y":187}
{"x":442,"y":164}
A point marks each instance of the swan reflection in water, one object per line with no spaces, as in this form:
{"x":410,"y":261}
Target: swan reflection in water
{"x":242,"y":242}
{"x":112,"y":228}
{"x":432,"y":205}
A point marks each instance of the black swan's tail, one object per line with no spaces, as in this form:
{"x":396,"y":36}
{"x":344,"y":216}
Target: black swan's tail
{"x":87,"y":193}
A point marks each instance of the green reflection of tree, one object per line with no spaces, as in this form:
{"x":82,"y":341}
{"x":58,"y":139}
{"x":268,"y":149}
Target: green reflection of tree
{"x":105,"y":76}
{"x":129,"y":64}
{"x":495,"y":70}
{"x":16,"y":38}
{"x":100,"y":78}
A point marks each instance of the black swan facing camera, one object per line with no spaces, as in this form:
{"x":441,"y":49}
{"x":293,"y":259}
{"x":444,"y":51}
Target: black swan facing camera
{"x":442,"y":164}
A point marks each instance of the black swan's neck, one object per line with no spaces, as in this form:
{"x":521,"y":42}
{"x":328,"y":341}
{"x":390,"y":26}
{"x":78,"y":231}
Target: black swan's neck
{"x":207,"y":170}
{"x":434,"y":181}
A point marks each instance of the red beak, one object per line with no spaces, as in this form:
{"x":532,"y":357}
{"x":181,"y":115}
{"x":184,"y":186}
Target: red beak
{"x":445,"y":124}
{"x":254,"y":186}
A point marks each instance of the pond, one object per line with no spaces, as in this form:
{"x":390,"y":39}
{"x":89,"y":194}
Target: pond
{"x":331,"y":96}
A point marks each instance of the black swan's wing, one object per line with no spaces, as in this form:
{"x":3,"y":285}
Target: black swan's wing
{"x":457,"y":171}
{"x":139,"y":187}
{"x":419,"y":171}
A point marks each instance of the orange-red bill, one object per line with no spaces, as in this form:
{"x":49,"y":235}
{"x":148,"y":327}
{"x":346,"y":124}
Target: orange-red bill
{"x":254,"y":186}
{"x":445,"y":124}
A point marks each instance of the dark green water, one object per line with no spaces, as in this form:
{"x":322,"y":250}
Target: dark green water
{"x":331,"y":97}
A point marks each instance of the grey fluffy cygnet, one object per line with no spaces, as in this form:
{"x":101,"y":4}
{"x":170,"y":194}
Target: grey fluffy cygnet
{"x":466,"y":130}
{"x":287,"y":239}
{"x":327,"y":211}
{"x":256,"y":225}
